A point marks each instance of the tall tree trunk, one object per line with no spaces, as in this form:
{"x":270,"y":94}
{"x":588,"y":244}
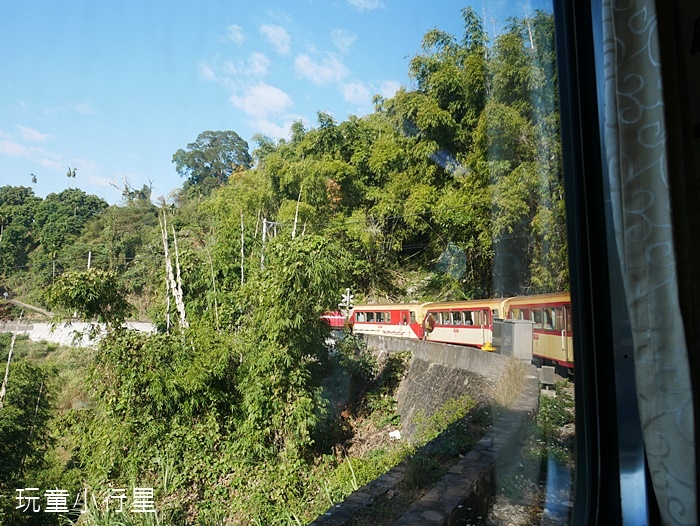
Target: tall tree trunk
{"x":3,"y":389}
{"x":174,"y":286}
{"x":296,"y":213}
{"x":179,"y":303}
{"x":242,"y":247}
{"x":262,"y":250}
{"x":213,"y":284}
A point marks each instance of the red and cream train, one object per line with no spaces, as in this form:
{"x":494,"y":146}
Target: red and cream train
{"x":472,"y":322}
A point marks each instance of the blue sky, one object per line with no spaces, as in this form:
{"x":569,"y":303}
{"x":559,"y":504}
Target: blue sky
{"x":113,"y":89}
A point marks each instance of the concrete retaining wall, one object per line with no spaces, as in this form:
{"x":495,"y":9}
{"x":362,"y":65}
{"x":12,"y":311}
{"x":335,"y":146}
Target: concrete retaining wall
{"x":487,"y":364}
{"x":465,"y":493}
{"x":435,"y":374}
{"x":63,"y":334}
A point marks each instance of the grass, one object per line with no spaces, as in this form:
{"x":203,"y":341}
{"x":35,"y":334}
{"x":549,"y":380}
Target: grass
{"x":511,"y":383}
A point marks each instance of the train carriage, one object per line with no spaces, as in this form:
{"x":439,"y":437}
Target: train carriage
{"x":399,"y":320}
{"x":462,"y":322}
{"x":551,"y":317}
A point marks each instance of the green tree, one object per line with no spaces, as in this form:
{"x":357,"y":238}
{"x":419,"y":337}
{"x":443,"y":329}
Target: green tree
{"x":25,"y":434}
{"x":18,"y":238}
{"x":284,"y":342}
{"x":94,"y":294}
{"x":214,"y":155}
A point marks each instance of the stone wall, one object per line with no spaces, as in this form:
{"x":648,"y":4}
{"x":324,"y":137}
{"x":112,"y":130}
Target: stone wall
{"x":438,"y":373}
{"x":428,"y":386}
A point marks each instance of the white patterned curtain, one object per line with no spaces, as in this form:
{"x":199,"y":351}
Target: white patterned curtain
{"x":635,"y":143}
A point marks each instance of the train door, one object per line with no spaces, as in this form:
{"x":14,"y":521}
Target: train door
{"x":486,"y":324}
{"x":415,"y":325}
{"x":566,"y":335}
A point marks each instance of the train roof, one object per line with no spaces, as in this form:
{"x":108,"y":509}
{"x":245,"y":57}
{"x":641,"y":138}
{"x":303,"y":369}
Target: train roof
{"x":388,"y":306}
{"x":554,"y":297}
{"x":466,"y":304}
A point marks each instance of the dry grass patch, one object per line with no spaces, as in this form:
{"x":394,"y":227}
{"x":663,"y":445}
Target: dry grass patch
{"x":512,"y":381}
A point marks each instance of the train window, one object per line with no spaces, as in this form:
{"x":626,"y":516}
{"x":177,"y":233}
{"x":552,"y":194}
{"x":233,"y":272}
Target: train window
{"x":548,"y":318}
{"x":379,"y":317}
{"x":477,"y":318}
{"x":524,"y":314}
{"x":537,"y":318}
{"x":514,"y":313}
{"x":360,"y":316}
{"x":413,"y":316}
{"x":457,"y":318}
{"x":445,"y":318}
{"x":370,"y":317}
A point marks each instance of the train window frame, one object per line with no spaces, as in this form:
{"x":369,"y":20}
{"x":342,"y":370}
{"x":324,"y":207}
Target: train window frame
{"x":613,"y":480}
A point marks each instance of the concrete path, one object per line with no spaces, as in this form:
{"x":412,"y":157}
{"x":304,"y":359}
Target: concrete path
{"x":31,"y":307}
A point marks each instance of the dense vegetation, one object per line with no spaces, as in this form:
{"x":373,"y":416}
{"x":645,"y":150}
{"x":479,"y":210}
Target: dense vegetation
{"x":448,"y":190}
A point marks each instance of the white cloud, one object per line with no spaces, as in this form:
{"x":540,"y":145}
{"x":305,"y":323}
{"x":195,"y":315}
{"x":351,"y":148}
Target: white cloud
{"x":218,"y":71}
{"x":14,"y":149}
{"x":52,"y":160}
{"x":343,"y":39}
{"x":366,"y":5}
{"x":388,"y":88}
{"x":278,"y":37}
{"x":229,"y":68}
{"x":51,"y":164}
{"x":85,"y":108}
{"x":329,"y":70}
{"x":98,"y":180}
{"x":355,"y":93}
{"x":262,"y":100}
{"x":258,"y":64}
{"x":31,"y":135}
{"x":206,"y":72}
{"x":235,"y":34}
{"x":272,"y":129}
